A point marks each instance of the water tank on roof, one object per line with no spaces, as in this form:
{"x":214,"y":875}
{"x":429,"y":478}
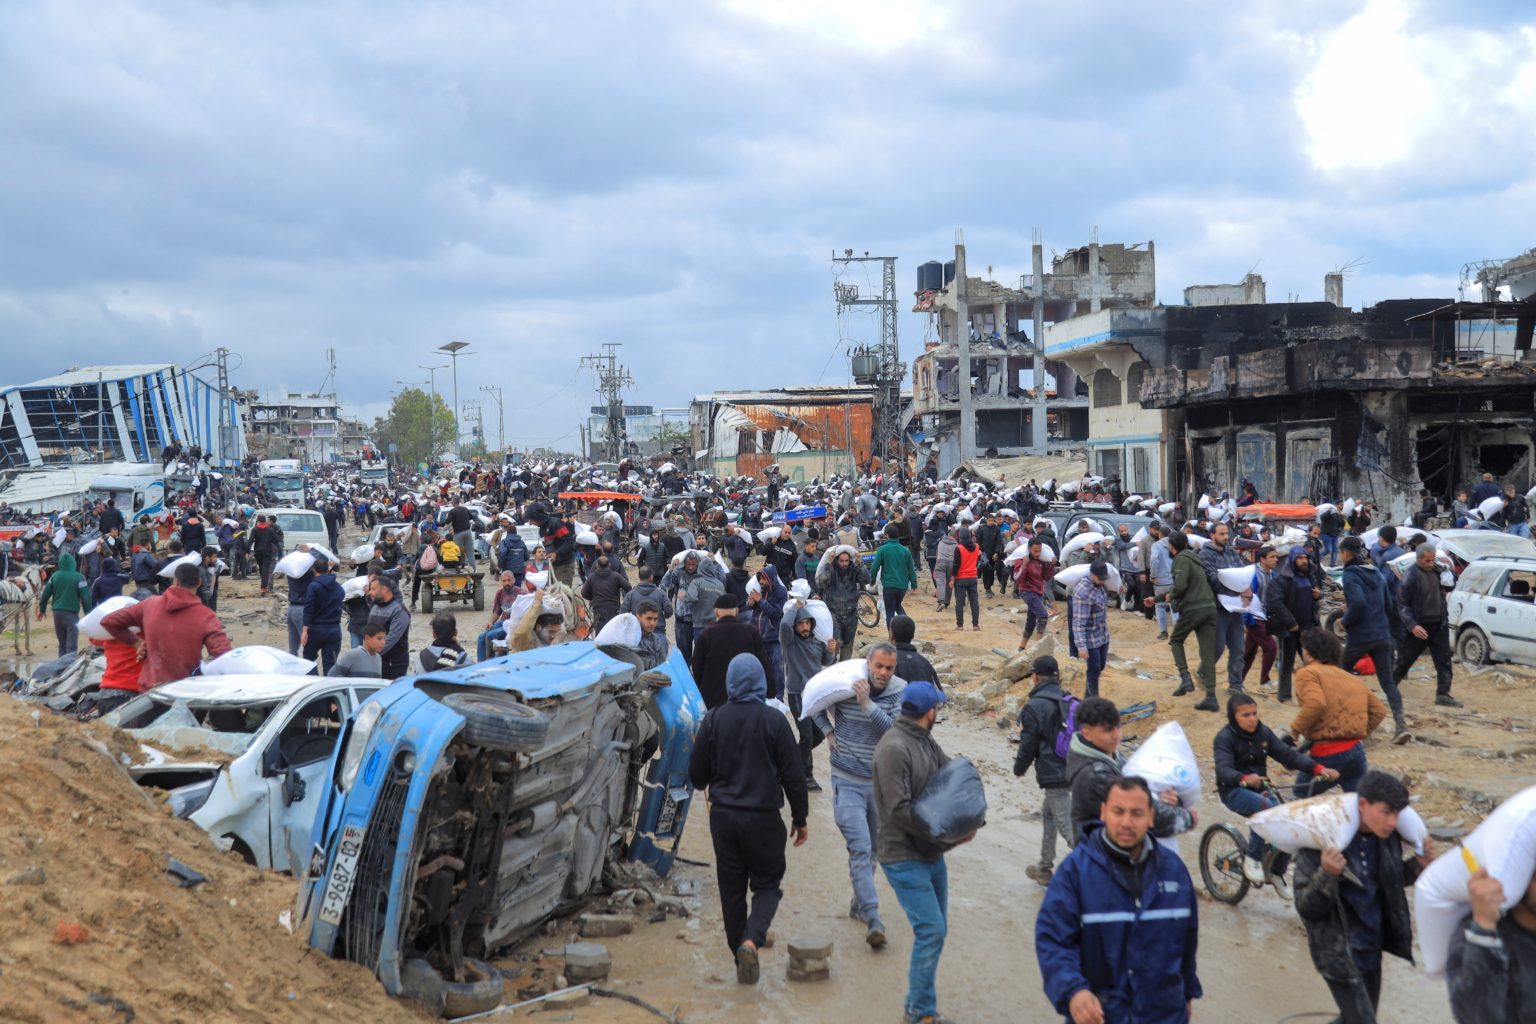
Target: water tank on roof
{"x":949,"y":272}
{"x":930,"y":276}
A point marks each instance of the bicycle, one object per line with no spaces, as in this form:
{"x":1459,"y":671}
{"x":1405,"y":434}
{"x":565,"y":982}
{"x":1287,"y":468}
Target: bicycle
{"x":868,"y":612}
{"x":1223,"y":848}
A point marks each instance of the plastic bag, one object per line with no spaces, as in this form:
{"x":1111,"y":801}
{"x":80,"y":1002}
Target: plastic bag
{"x":800,"y":589}
{"x":362,"y":553}
{"x":295,"y":564}
{"x":772,"y":533}
{"x":90,"y":546}
{"x":357,"y":586}
{"x":953,"y":805}
{"x":587,"y":537}
{"x":90,"y":626}
{"x":1167,"y":761}
{"x":828,"y":555}
{"x":622,"y":630}
{"x":258,"y":660}
{"x":1504,"y":845}
{"x":538,"y":579}
{"x":1080,"y":541}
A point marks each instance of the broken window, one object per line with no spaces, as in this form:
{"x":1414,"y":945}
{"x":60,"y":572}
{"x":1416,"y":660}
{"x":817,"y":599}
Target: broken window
{"x":746,"y":442}
{"x":1106,"y":389}
{"x":1133,"y":379}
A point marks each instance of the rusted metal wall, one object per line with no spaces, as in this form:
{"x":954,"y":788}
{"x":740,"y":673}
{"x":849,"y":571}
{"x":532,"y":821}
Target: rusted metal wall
{"x":831,"y":428}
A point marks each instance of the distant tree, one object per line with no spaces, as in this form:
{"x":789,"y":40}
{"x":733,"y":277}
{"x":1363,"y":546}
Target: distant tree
{"x":421,"y":430}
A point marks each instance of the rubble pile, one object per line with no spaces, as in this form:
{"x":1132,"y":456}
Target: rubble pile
{"x":116,"y":911}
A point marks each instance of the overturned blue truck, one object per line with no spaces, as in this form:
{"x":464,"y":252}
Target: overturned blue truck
{"x":467,"y":807}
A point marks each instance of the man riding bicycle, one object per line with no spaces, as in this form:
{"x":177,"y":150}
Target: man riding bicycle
{"x":1242,"y":752}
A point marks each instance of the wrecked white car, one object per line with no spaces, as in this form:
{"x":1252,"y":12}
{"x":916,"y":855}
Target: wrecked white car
{"x":244,"y":756}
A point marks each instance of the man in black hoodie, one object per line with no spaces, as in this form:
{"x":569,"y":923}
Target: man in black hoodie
{"x":745,"y":756}
{"x":1040,"y":722}
{"x":1094,"y":762}
{"x":1291,"y":606}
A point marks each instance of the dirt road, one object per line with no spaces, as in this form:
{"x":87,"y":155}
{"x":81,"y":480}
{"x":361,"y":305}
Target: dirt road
{"x":1253,"y":962}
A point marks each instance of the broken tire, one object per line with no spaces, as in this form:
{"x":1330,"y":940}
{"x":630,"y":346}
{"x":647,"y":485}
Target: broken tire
{"x":497,"y":722}
{"x":421,"y":984}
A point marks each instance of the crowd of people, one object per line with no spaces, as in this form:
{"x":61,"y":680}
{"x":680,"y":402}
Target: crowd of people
{"x":1115,"y":937}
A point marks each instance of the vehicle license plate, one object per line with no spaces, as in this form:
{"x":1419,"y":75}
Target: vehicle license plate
{"x":338,"y":887}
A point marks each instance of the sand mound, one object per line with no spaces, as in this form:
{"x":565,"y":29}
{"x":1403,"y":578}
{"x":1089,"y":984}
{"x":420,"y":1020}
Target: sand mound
{"x":97,"y":930}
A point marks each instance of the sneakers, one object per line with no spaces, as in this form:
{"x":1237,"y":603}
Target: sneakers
{"x":1445,"y":700}
{"x":1209,"y":704}
{"x":1163,"y":635}
{"x":876,"y":935}
{"x":746,"y":965}
{"x":1253,"y":870}
{"x":1282,"y":886}
{"x":1039,"y":873}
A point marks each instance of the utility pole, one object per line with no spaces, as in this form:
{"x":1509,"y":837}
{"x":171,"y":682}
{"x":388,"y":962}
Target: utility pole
{"x":453,"y":348}
{"x":501,"y":419}
{"x":612,"y":379}
{"x":878,"y":365}
{"x":432,"y":415}
{"x":476,"y":430}
{"x":225,"y":427}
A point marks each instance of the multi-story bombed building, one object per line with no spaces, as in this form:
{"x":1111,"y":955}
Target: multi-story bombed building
{"x":1011,"y":396}
{"x":298,"y":426}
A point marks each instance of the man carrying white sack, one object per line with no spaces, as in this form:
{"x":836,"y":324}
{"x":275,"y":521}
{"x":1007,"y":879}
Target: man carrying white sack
{"x":1491,"y":970}
{"x":853,"y":728}
{"x":1351,"y":921}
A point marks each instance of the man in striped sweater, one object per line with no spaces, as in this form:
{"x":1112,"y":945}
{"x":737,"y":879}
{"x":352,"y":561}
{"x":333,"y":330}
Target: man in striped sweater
{"x":853,"y":727}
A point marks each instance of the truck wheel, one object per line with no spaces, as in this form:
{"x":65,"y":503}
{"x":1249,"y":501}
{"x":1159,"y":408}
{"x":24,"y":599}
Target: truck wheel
{"x":1472,"y":646}
{"x":426,"y":599}
{"x":420,"y":983}
{"x":481,"y":993}
{"x":479,"y":597}
{"x":497,"y":722}
{"x":1332,"y":625}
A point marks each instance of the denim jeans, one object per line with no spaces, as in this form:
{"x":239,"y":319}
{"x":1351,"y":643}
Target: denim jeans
{"x":1231,"y":637}
{"x":1037,"y":616}
{"x":682,"y":632}
{"x":483,"y":644}
{"x":922,"y":889}
{"x":1330,"y":547}
{"x":1248,"y":802}
{"x":1350,"y":764}
{"x":853,"y":808}
{"x":1055,"y":820}
{"x":1096,"y":657}
{"x":1519,"y":530}
{"x":295,"y":627}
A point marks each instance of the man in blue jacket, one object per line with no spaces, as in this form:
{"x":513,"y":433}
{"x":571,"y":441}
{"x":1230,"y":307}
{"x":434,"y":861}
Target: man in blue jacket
{"x":1117,"y":933}
{"x":1371,"y":624}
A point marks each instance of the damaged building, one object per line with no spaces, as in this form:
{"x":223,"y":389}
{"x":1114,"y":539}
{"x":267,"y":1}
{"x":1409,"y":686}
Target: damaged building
{"x":809,"y":432}
{"x":1012,"y":398}
{"x":1309,"y":399}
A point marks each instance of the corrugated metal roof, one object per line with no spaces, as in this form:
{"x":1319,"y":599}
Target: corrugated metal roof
{"x":49,"y":490}
{"x":90,"y":374}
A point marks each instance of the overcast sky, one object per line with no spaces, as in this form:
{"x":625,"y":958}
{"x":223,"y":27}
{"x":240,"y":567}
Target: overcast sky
{"x":540,"y":178}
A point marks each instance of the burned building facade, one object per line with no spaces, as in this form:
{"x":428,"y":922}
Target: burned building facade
{"x":1314,"y":400}
{"x":808,"y":432}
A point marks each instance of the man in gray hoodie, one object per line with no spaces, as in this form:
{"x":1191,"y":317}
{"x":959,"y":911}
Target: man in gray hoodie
{"x":853,"y":728}
{"x":804,"y":656}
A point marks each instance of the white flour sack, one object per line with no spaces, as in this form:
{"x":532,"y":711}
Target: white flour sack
{"x":823,"y":618}
{"x":1327,"y":821}
{"x":1504,"y":845}
{"x":835,"y":683}
{"x":1167,"y":761}
{"x":258,"y":659}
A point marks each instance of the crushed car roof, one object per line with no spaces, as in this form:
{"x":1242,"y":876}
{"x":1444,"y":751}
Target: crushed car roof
{"x":237,"y":689}
{"x":543,"y":672}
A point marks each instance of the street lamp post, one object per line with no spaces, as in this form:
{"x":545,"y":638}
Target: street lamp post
{"x":501,"y":421}
{"x":453,"y":348}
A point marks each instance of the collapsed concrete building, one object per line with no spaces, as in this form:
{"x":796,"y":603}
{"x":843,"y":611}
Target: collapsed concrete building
{"x":1012,"y":398}
{"x":1309,"y":398}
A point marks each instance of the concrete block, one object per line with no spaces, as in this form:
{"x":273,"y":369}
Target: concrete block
{"x":604,"y":926}
{"x":796,"y":975}
{"x":811,"y":947}
{"x":587,"y":961}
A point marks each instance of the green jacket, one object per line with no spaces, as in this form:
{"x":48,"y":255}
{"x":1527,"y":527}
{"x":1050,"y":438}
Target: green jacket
{"x":66,"y":588}
{"x":1191,"y":588}
{"x":893,"y":562}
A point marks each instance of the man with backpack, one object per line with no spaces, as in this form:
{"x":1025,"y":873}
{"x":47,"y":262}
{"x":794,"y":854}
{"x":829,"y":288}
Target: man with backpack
{"x":1046,"y":724}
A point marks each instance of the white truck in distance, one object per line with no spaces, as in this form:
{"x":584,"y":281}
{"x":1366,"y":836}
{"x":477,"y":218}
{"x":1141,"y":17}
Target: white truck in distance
{"x":285,"y":479}
{"x":375,"y":472}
